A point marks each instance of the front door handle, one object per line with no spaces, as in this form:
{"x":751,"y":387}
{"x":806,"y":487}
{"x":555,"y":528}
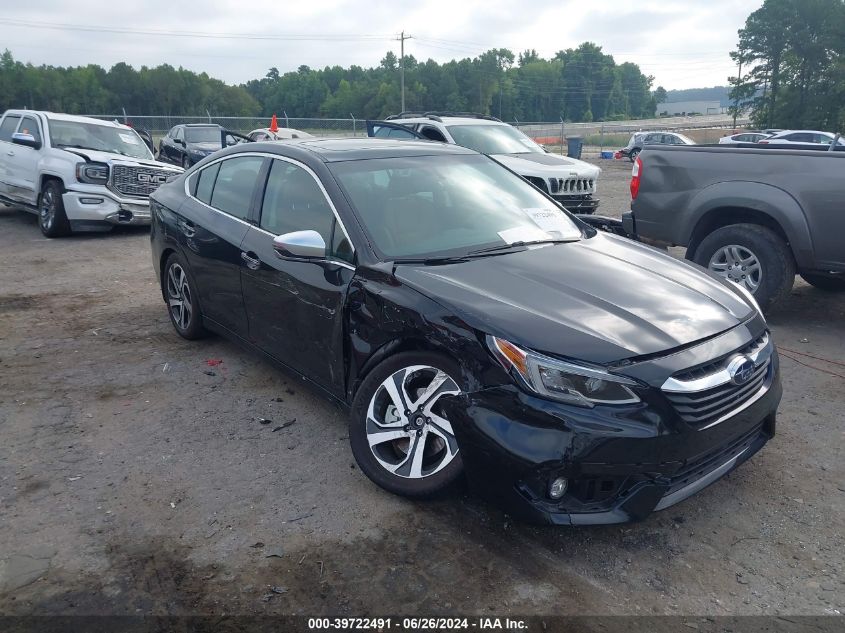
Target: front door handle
{"x":251,"y":260}
{"x":10,"y":153}
{"x":187,"y":227}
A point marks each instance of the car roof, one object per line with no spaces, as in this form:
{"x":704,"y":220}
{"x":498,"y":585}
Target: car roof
{"x":200,"y":125}
{"x":782,"y":132}
{"x":58,"y":116}
{"x":448,"y":120}
{"x":331,"y":150}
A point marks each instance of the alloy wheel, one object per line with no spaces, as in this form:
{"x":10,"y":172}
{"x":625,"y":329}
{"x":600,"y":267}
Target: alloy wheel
{"x":47,"y":211}
{"x":179,"y":297}
{"x":407,"y":430}
{"x":738,"y":264}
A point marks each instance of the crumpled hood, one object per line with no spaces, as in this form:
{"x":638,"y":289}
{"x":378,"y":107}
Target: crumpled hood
{"x":600,"y":300}
{"x":548,"y":165}
{"x":108,"y":157}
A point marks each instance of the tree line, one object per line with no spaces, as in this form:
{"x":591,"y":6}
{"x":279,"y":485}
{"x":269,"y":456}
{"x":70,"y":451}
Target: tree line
{"x":577,"y":84}
{"x":791,"y":65}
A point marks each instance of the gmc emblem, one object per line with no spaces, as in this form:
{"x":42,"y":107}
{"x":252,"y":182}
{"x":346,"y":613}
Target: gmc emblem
{"x":152,"y":179}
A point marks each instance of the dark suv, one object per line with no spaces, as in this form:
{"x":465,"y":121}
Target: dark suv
{"x":188,"y":144}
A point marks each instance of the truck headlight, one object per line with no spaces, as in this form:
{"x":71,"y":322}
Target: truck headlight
{"x":560,"y":380}
{"x":92,"y":173}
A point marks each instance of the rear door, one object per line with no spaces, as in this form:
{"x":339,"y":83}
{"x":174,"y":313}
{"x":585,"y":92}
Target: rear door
{"x":23,"y":170}
{"x":295,"y":308}
{"x":385,"y":129}
{"x":212,"y":224}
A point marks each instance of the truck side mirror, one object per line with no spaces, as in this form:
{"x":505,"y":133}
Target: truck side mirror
{"x":27,"y":140}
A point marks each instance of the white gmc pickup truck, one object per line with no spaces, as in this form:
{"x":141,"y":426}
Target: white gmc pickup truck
{"x":78,"y":174}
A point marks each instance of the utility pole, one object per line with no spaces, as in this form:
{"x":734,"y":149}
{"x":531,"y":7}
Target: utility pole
{"x":402,"y":37}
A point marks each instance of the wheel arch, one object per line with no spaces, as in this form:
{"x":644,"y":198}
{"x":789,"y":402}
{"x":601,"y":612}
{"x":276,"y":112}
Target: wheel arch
{"x":729,"y":203}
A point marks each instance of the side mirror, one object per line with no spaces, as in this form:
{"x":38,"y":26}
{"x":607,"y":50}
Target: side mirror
{"x":300,"y":245}
{"x":28,"y":140}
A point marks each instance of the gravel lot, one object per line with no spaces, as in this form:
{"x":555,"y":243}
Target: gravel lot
{"x":135,"y":476}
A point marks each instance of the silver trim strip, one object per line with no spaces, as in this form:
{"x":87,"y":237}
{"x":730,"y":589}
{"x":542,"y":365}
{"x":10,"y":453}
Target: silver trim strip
{"x":249,"y":224}
{"x":716,"y":379}
{"x":760,"y":393}
{"x":699,"y":484}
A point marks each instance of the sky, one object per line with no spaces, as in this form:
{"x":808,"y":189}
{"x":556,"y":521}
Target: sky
{"x":682,"y":43}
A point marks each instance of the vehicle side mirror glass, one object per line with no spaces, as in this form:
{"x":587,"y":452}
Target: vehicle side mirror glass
{"x":300,"y":245}
{"x":27,"y":140}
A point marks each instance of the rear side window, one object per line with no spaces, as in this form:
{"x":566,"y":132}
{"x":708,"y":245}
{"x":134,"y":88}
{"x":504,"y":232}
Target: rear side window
{"x":234,"y":186}
{"x":8,"y":127}
{"x":205,"y":182}
{"x":30,"y":126}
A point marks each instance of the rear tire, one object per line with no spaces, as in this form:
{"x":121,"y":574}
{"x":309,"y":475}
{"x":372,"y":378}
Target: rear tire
{"x":736,"y":250}
{"x":52,"y":219}
{"x":823,"y":282}
{"x":400,"y":436}
{"x":182,"y":299}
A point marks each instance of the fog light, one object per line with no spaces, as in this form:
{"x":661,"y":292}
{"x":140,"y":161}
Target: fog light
{"x":557,"y":488}
{"x":91,"y":200}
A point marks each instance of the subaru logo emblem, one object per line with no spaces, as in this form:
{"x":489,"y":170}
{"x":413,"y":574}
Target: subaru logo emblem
{"x":740,"y":369}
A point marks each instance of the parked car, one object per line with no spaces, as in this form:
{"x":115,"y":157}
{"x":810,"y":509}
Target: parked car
{"x":188,"y":144}
{"x":641,"y":139}
{"x":743,"y":137}
{"x":803,"y":137}
{"x":469,"y":324}
{"x":76,"y":173}
{"x":281,"y":134}
{"x":753,"y":216}
{"x":571,"y":182}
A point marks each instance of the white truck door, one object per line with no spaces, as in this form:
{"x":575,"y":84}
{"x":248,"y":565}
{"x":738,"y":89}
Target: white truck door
{"x":24,"y":167}
{"x":8,"y":126}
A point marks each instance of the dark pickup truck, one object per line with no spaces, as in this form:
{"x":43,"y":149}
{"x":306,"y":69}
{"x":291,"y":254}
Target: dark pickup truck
{"x":756,"y":216}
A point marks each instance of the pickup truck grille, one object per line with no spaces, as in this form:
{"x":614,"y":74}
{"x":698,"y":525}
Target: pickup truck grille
{"x":137,"y":181}
{"x":572,"y":185}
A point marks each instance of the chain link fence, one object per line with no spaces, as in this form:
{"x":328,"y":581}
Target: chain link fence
{"x":596,"y":137}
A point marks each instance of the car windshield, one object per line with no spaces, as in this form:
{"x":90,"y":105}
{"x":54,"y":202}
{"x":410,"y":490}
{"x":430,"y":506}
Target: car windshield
{"x":103,"y":138}
{"x":447,"y":206}
{"x":685,"y":139}
{"x":202,"y":135}
{"x":494,"y":139}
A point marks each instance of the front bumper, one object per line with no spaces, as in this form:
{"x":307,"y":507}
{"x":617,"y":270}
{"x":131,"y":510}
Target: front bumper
{"x":622,"y":463}
{"x":97,"y":208}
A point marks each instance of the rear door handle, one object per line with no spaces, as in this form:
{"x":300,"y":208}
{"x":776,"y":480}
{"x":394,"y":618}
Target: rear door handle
{"x":251,"y":259}
{"x":10,"y":153}
{"x":187,"y":227}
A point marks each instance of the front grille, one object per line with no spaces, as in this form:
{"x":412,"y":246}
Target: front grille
{"x":572,"y":185}
{"x":705,"y":407}
{"x":137,"y":181}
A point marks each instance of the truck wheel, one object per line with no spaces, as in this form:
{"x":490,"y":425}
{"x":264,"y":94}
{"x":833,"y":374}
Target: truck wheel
{"x":751,"y":255}
{"x":824,"y":282}
{"x":52,"y":219}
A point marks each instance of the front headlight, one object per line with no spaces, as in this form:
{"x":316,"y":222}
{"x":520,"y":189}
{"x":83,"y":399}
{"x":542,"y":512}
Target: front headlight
{"x":92,"y":173}
{"x":562,"y":381}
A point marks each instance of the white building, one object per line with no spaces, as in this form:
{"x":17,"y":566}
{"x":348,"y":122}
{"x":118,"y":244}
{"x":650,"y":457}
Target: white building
{"x":683,"y":108}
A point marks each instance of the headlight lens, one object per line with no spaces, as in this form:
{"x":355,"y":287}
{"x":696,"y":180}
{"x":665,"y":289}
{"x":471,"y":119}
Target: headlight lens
{"x":92,"y":173}
{"x":562,"y":381}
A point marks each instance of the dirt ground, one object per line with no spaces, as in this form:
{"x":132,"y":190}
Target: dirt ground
{"x":136,"y":477}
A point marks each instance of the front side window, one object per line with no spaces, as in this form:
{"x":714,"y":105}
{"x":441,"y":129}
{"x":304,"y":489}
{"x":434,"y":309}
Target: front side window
{"x":235,"y":184}
{"x":428,"y":206}
{"x":494,"y":139}
{"x":103,"y":138}
{"x":8,"y":127}
{"x":30,"y":126}
{"x":294,"y":202}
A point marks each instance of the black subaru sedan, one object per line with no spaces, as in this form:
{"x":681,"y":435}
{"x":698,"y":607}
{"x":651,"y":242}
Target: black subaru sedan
{"x":470,"y":325}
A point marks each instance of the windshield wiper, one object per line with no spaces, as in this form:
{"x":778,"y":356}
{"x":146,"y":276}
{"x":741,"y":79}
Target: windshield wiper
{"x":432,"y":261}
{"x":63,"y":145}
{"x":502,"y":247}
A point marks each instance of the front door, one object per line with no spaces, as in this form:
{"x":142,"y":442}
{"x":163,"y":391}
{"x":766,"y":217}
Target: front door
{"x":212,"y":224}
{"x":24,"y":169}
{"x":295,"y":308}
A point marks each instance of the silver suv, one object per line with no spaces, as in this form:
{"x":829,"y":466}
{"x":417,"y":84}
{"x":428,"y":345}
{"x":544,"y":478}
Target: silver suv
{"x":571,"y":182}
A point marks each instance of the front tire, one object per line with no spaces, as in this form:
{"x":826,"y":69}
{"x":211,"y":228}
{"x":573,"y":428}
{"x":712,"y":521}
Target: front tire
{"x":52,"y":219}
{"x":751,"y":255}
{"x":399,"y":432}
{"x":824,"y":282}
{"x":633,"y":155}
{"x":182,"y":302}
{"x":186,"y":162}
